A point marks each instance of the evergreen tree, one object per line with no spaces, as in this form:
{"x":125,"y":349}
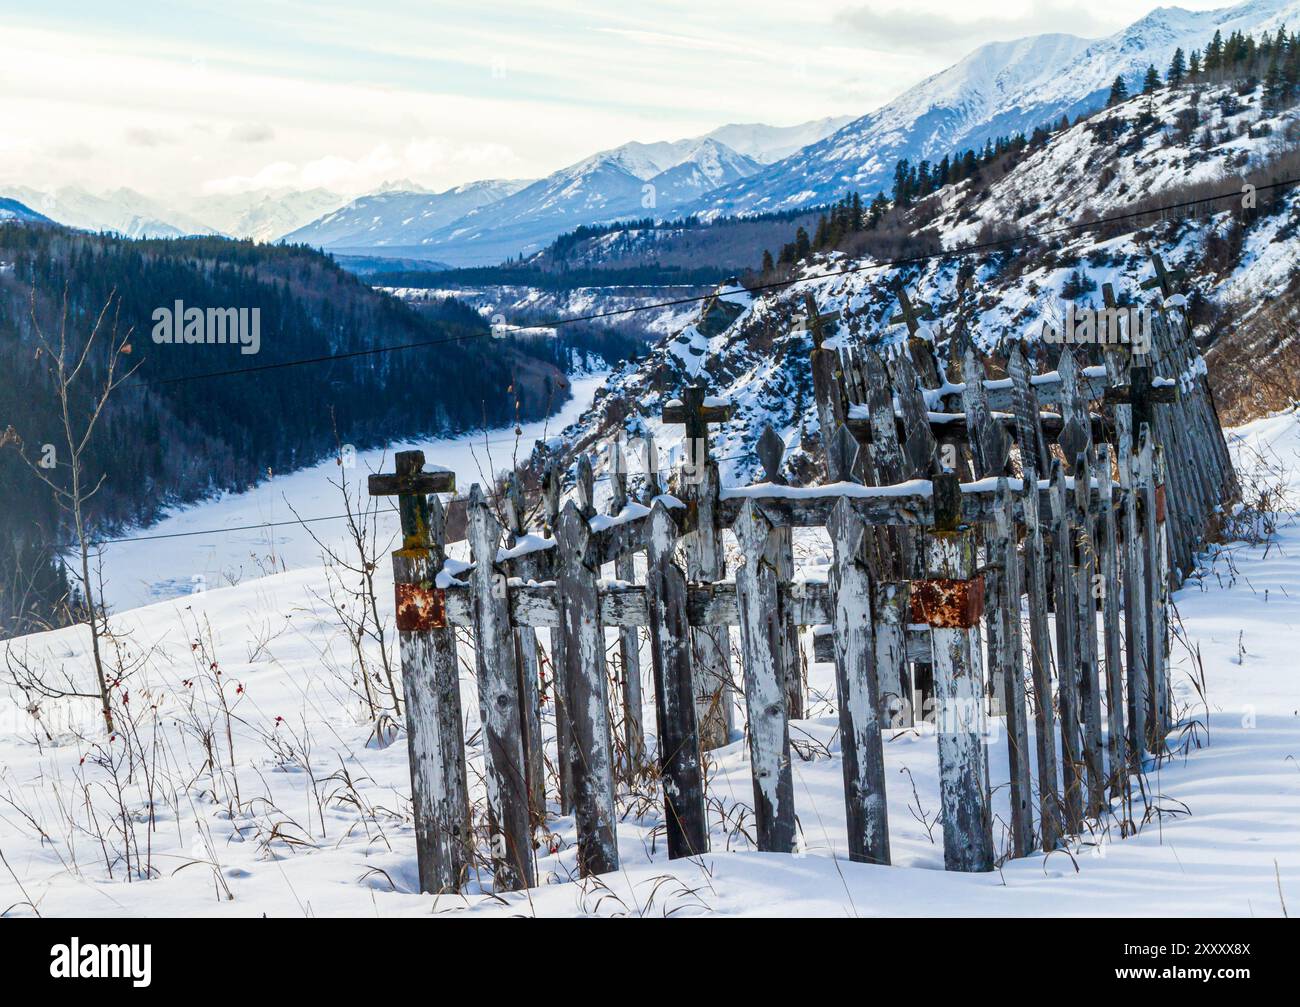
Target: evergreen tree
{"x":768,"y":264}
{"x":802,"y":246}
{"x":1118,"y":92}
{"x":1177,"y":69}
{"x":1214,"y":54}
{"x":1151,"y":82}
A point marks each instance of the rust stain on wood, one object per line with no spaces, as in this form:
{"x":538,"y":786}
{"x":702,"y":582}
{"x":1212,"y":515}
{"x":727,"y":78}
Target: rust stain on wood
{"x":1160,"y":502}
{"x":948,"y":604}
{"x":420,"y":608}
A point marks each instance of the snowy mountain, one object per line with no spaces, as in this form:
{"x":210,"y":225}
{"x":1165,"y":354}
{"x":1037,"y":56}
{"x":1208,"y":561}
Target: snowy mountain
{"x":391,"y":216}
{"x":11,"y":209}
{"x":122,"y":211}
{"x":265,"y":214}
{"x":999,"y":89}
{"x":634,"y":180}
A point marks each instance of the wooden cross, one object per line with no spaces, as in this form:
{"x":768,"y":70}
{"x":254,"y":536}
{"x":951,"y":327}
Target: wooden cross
{"x":696,"y":416}
{"x":908,"y":314}
{"x":1142,"y":395}
{"x":1165,"y":279}
{"x":411,"y":485}
{"x":817,"y":322}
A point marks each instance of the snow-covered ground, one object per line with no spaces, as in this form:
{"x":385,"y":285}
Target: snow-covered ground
{"x":155,"y":568}
{"x":262,"y":788}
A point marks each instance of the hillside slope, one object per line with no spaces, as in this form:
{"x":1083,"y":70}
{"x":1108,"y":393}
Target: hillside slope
{"x":170,"y":435}
{"x":1181,"y":143}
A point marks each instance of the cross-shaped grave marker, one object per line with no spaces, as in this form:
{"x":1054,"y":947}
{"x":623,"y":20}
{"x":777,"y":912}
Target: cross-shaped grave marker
{"x":697,"y":417}
{"x":907,"y":312}
{"x":430,"y":675}
{"x":1165,"y":279}
{"x":817,"y":322}
{"x":412,"y":485}
{"x":1142,"y":395}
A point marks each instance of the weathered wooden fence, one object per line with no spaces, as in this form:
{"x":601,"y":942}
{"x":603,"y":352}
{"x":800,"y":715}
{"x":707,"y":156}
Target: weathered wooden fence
{"x":948,"y":573}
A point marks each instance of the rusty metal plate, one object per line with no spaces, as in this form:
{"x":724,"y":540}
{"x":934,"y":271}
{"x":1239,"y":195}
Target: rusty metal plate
{"x":1160,"y":502}
{"x":420,"y":608}
{"x":948,"y":604}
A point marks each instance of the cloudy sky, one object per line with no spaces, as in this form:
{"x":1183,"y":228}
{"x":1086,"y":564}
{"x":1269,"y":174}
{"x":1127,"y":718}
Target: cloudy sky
{"x":194,"y":97}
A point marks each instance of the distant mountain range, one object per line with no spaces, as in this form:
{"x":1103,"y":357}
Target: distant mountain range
{"x":391,"y":216}
{"x":999,"y":89}
{"x":263,"y":215}
{"x":509,"y":218}
{"x":122,"y":211}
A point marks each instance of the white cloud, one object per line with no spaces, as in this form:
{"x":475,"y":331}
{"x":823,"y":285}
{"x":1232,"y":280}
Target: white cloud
{"x":338,"y":96}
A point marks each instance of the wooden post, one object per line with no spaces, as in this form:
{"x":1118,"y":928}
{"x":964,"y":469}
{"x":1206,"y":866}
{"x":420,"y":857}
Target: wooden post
{"x":825,"y":366}
{"x":1066,"y":649}
{"x":1033,"y":455}
{"x":527,"y":663}
{"x":1149,"y":507}
{"x":430,"y":677}
{"x":1161,"y":589}
{"x":771,"y":449}
{"x":950,"y":602}
{"x":670,"y":649}
{"x":990,"y":450}
{"x":564,"y":771}
{"x":711,"y":645}
{"x":1009,"y":657}
{"x":1050,"y":805}
{"x":1083,"y":713}
{"x":1116,"y":750}
{"x":1135,"y":598}
{"x":652,"y":486}
{"x":769,"y":730}
{"x":859,"y":701}
{"x":629,"y":643}
{"x":591,"y":751}
{"x":1085,"y":569}
{"x":891,"y":603}
{"x":918,"y":447}
{"x":893,"y":586}
{"x":509,"y":831}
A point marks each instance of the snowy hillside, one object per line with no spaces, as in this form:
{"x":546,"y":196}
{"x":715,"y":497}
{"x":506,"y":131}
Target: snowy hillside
{"x":999,"y":89}
{"x":11,"y":209}
{"x":1147,"y":148}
